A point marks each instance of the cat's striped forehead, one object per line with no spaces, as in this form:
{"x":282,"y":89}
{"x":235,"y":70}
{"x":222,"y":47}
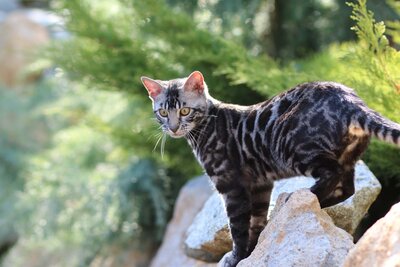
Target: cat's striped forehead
{"x":172,"y":95}
{"x":175,"y":97}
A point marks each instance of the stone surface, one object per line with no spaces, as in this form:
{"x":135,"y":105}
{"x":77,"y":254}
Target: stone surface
{"x":347,"y":214}
{"x":208,"y":228}
{"x":190,"y":200}
{"x":54,"y":24}
{"x":8,"y":5}
{"x":380,"y":245}
{"x":25,"y":254}
{"x":8,"y":238}
{"x":3,"y":15}
{"x":300,"y":234}
{"x":20,"y":38}
{"x":216,"y":241}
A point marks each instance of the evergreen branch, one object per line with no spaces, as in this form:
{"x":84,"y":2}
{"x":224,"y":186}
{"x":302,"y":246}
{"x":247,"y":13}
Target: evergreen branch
{"x":372,"y":33}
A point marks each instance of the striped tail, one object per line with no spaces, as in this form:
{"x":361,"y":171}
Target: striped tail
{"x":380,"y":127}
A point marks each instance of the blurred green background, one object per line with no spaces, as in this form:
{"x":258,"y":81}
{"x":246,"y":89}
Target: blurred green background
{"x":81,"y":181}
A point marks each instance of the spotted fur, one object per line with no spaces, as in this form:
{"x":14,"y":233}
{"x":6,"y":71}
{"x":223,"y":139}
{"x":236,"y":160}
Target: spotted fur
{"x":316,"y":129}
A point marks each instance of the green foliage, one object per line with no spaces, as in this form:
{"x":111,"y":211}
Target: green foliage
{"x":162,"y":43}
{"x":145,"y":182}
{"x":86,"y":190}
{"x":19,"y":116}
{"x":384,"y":160}
{"x":383,"y":60}
{"x":24,"y":131}
{"x":394,"y":26}
{"x":233,"y":19}
{"x":300,"y":30}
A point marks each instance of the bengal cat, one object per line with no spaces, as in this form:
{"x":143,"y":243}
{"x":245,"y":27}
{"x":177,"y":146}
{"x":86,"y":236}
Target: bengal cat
{"x":316,"y":129}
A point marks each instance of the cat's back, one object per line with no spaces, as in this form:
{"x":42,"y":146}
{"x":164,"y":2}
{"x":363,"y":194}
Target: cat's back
{"x":312,"y":97}
{"x":314,"y":92}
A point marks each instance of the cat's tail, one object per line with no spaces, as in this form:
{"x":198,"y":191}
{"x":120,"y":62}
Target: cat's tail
{"x":376,"y":125}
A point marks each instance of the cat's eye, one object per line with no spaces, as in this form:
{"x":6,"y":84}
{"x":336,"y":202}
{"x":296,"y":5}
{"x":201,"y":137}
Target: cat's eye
{"x":163,"y":112}
{"x":184,"y":111}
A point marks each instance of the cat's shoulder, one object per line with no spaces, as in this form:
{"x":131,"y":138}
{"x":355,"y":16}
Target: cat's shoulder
{"x":311,"y":91}
{"x":317,"y":89}
{"x":322,"y":86}
{"x":327,"y":86}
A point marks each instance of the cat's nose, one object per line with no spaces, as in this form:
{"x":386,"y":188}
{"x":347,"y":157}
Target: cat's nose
{"x":174,"y":128}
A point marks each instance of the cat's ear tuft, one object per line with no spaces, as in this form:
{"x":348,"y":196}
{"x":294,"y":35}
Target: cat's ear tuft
{"x":195,"y":82}
{"x":152,"y":86}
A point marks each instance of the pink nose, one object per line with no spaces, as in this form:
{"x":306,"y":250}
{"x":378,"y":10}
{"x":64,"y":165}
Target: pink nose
{"x":174,"y":128}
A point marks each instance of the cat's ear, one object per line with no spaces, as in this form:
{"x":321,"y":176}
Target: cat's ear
{"x":195,"y":82}
{"x":152,"y":86}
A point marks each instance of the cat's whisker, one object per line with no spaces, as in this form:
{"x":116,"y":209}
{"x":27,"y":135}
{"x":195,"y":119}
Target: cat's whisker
{"x":209,"y":116}
{"x":190,"y":138}
{"x":193,"y":140}
{"x":196,"y":144}
{"x":198,"y":132}
{"x":158,"y":141}
{"x":152,"y":136}
{"x":155,"y":133}
{"x":164,"y":137}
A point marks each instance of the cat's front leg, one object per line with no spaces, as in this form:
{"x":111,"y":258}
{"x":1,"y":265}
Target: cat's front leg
{"x":238,"y":209}
{"x":260,"y":199}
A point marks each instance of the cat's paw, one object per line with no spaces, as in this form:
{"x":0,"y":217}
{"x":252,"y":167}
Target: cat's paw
{"x":228,"y":260}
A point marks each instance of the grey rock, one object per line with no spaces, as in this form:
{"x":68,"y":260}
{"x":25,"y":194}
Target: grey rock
{"x":52,"y":22}
{"x":9,"y":5}
{"x":300,"y":234}
{"x":2,"y":15}
{"x":8,"y":238}
{"x":190,"y":200}
{"x":208,"y":230}
{"x":20,"y":39}
{"x":208,"y":238}
{"x":380,"y":245}
{"x":347,"y":214}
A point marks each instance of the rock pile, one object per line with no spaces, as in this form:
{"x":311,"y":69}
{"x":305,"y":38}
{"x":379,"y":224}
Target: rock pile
{"x":299,"y":232}
{"x":209,"y":246}
{"x":208,"y":231}
{"x":20,"y":38}
{"x":380,"y":245}
{"x":23,"y":33}
{"x":190,"y":200}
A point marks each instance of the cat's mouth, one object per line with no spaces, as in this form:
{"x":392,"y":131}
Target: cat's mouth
{"x":177,"y":134}
{"x":182,"y":131}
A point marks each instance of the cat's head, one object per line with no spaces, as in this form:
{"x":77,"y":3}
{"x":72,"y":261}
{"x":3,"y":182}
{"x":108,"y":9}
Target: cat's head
{"x":179,"y":104}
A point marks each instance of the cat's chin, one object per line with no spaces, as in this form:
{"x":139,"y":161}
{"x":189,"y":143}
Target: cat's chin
{"x":176,"y":135}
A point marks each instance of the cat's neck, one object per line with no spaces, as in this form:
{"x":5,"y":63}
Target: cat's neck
{"x":206,"y":126}
{"x":205,"y":129}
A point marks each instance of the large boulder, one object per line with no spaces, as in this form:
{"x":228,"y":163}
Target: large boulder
{"x":380,"y":245}
{"x":8,"y":5}
{"x":300,"y":234}
{"x":207,"y":237}
{"x":20,"y":38}
{"x":347,"y":214}
{"x":8,"y":238}
{"x":190,"y":200}
{"x":54,"y":24}
{"x":209,"y":246}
